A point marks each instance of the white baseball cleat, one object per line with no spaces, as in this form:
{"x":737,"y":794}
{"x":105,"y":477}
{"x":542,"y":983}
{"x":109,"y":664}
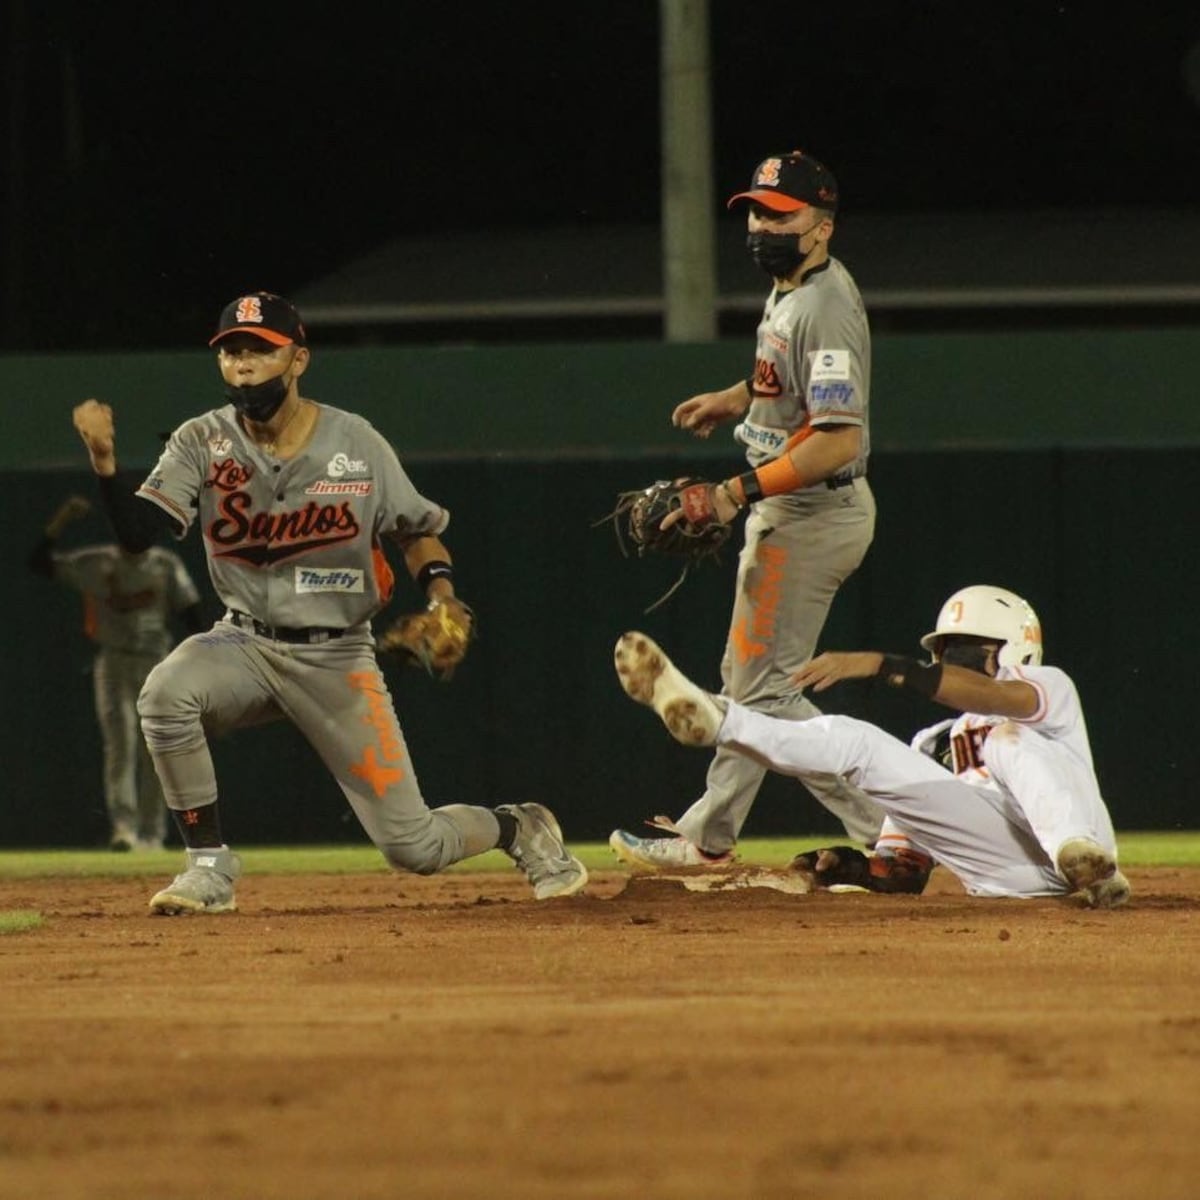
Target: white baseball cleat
{"x":664,"y":853}
{"x":692,"y":716}
{"x":1090,"y":869}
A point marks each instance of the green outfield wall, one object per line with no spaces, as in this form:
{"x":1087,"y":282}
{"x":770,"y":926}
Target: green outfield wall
{"x":1064,"y":467}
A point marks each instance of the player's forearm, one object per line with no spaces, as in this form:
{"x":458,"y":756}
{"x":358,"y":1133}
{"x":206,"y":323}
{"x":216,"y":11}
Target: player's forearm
{"x":969,"y":691}
{"x":813,"y":456}
{"x":137,"y":523}
{"x":960,"y":688}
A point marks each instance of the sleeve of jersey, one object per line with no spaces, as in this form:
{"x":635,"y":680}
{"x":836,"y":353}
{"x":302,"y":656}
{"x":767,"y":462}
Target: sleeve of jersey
{"x":402,"y":508}
{"x":836,"y":391}
{"x":1058,"y":707}
{"x":174,"y":483}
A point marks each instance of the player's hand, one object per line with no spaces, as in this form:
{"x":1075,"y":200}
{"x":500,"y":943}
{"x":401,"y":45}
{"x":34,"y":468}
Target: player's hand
{"x":835,"y":665}
{"x":74,"y":507}
{"x":71,"y":509}
{"x":94,"y":424}
{"x":703,"y":413}
{"x":702,"y":504}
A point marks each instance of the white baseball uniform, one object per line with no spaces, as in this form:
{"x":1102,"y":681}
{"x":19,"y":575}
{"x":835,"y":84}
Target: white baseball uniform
{"x":1019,"y":788}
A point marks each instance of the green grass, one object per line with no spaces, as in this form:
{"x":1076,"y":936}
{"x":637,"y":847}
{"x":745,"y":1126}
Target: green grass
{"x":1138,"y":849}
{"x":19,"y":920}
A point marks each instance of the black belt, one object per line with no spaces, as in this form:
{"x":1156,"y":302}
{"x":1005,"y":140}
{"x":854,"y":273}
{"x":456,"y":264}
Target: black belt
{"x":310,"y":634}
{"x":833,"y":483}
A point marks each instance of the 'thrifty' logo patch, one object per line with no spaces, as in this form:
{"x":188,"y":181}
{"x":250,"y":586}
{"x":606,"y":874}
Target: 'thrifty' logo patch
{"x":336,"y":579}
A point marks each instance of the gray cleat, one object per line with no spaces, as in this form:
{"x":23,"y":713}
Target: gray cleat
{"x":206,"y":886}
{"x":539,"y":852}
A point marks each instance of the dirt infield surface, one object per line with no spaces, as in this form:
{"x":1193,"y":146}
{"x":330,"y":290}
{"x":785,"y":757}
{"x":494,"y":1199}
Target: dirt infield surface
{"x":366,"y":1036}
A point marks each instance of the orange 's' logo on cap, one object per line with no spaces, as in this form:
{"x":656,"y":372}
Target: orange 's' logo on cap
{"x":768,"y":173}
{"x":249,"y":311}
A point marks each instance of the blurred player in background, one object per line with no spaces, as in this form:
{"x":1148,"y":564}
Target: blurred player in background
{"x":131,"y":603}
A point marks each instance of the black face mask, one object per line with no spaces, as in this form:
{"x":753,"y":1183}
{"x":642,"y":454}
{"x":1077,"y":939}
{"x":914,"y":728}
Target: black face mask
{"x":776,"y":253}
{"x":258,"y":401}
{"x":972,"y":655}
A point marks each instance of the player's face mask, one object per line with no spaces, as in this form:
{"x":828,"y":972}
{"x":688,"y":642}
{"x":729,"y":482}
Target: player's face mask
{"x":779,"y":254}
{"x":258,"y":401}
{"x":975,"y":654}
{"x":776,"y":253}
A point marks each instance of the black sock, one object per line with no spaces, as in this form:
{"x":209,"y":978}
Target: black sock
{"x":200,"y":827}
{"x":508,"y":829}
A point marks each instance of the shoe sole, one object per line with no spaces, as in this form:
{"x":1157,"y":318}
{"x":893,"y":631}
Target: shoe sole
{"x":577,"y":884}
{"x":579,"y":881}
{"x":167,"y":905}
{"x":649,"y":677}
{"x":1090,"y":869}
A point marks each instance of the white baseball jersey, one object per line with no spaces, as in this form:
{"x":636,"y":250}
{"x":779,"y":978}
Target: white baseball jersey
{"x":1059,"y":717}
{"x":293,"y":542}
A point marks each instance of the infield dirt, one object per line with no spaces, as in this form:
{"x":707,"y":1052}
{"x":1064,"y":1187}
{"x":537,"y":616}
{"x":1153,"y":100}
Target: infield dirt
{"x":363,"y":1037}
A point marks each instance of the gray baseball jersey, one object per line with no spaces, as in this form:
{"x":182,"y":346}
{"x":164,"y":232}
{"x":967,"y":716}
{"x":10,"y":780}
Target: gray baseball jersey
{"x":812,"y":367}
{"x":128,"y":598}
{"x":294,"y":542}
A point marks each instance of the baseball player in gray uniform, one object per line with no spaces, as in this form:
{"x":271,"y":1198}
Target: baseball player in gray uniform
{"x":1012,"y":806}
{"x":130,"y":603}
{"x":803,"y":419}
{"x":293,"y":499}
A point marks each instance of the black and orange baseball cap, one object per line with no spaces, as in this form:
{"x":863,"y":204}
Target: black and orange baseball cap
{"x":265,"y":315}
{"x":787,"y":182}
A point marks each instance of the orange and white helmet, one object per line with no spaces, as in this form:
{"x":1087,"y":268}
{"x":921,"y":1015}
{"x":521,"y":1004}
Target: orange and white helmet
{"x":991,"y":612}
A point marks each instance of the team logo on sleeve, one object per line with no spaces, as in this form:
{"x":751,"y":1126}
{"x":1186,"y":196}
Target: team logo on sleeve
{"x":829,"y":364}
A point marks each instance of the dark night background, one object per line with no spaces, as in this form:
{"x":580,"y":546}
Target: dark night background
{"x":161,"y":158}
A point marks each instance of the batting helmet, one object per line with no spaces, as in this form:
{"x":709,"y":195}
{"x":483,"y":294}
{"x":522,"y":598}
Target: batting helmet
{"x":991,"y":612}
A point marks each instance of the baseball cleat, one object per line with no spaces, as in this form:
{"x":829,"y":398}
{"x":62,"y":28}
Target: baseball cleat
{"x":122,"y":840}
{"x":664,"y":853}
{"x":692,"y":716}
{"x":1092,"y":870}
{"x":205,"y":887}
{"x":539,"y":851}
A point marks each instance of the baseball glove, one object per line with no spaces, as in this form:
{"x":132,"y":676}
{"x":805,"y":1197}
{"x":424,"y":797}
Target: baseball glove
{"x":435,"y":639}
{"x":639,"y":514}
{"x":906,"y":871}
